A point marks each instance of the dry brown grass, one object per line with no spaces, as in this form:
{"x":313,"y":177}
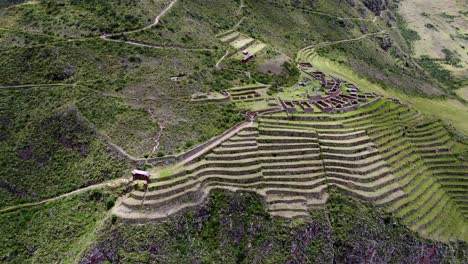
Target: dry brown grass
{"x":449,"y":24}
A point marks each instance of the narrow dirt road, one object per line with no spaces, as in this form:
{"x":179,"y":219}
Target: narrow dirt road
{"x":220,"y":60}
{"x":91,"y":187}
{"x":324,"y":44}
{"x":155,"y":22}
{"x":37,"y":85}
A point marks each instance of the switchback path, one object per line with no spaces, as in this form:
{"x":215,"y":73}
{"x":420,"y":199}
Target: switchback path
{"x":220,"y":60}
{"x":155,"y":22}
{"x":91,"y":187}
{"x":325,"y":44}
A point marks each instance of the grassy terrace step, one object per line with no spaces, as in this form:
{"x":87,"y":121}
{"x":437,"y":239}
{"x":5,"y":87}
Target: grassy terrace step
{"x":289,"y":214}
{"x":418,"y":191}
{"x":368,"y":186}
{"x":275,"y":198}
{"x":294,"y":207}
{"x":262,"y":153}
{"x":426,"y":127}
{"x":229,"y":36}
{"x":348,"y":150}
{"x":316,"y":192}
{"x":448,"y":227}
{"x":219,"y":164}
{"x":435,"y":143}
{"x":421,"y":134}
{"x":248,"y":88}
{"x":292,"y":165}
{"x":432,"y":138}
{"x":389,"y":120}
{"x":295,"y":177}
{"x":327,"y":117}
{"x":371,"y":196}
{"x":236,"y":150}
{"x":345,"y":143}
{"x":417,"y":206}
{"x":382,"y":154}
{"x":354,"y":164}
{"x":358,"y":170}
{"x":390,"y":140}
{"x":404,"y":170}
{"x":273,"y":146}
{"x":295,"y":171}
{"x":280,"y":159}
{"x":243,"y":139}
{"x":230,"y":144}
{"x":414,"y":176}
{"x":347,"y":136}
{"x":428,"y":213}
{"x":287,"y":132}
{"x":401,"y":155}
{"x":374,"y":121}
{"x":351,"y":157}
{"x":291,"y":125}
{"x":192,"y":177}
{"x":387,"y":134}
{"x":271,"y":126}
{"x":284,"y":140}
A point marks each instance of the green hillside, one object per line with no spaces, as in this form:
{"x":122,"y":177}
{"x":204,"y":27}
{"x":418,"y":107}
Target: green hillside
{"x":275,"y":131}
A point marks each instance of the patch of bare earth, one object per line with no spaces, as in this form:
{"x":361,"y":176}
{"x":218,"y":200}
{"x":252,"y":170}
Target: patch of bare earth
{"x":273,"y":65}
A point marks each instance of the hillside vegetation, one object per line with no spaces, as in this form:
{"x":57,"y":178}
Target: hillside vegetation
{"x":91,"y":89}
{"x":236,"y":228}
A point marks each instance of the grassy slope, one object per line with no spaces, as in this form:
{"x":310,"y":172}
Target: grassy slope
{"x":450,"y":110}
{"x":448,"y":25}
{"x":235,"y":228}
{"x":48,"y":148}
{"x":140,"y":77}
{"x":55,"y":232}
{"x":116,"y":86}
{"x":71,"y":19}
{"x":192,"y":24}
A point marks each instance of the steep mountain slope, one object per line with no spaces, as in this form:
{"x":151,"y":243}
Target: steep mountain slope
{"x":235,"y":228}
{"x":92,"y":89}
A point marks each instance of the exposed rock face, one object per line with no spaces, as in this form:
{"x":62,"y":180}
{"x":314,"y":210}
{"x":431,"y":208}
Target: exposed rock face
{"x":363,"y":29}
{"x":376,"y":6}
{"x":386,"y":43}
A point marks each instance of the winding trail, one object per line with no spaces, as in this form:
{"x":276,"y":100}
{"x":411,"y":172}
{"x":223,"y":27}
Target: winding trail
{"x":91,"y":187}
{"x":325,"y":44}
{"x":238,"y":13}
{"x":45,"y":85}
{"x":220,"y":60}
{"x":160,"y":133}
{"x":155,"y":22}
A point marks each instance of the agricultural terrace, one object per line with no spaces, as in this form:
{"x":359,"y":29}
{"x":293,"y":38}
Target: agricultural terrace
{"x":324,"y":133}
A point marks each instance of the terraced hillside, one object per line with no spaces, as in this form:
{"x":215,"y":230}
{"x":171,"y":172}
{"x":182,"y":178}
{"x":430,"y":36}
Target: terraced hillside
{"x":386,"y":154}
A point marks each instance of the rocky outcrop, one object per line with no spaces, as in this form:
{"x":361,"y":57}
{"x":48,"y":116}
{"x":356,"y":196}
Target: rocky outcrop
{"x":386,"y":43}
{"x":376,"y":6}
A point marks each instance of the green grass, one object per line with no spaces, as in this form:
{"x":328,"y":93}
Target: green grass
{"x":238,"y":229}
{"x":49,"y":147}
{"x":56,"y":232}
{"x":80,"y":18}
{"x":451,"y":111}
